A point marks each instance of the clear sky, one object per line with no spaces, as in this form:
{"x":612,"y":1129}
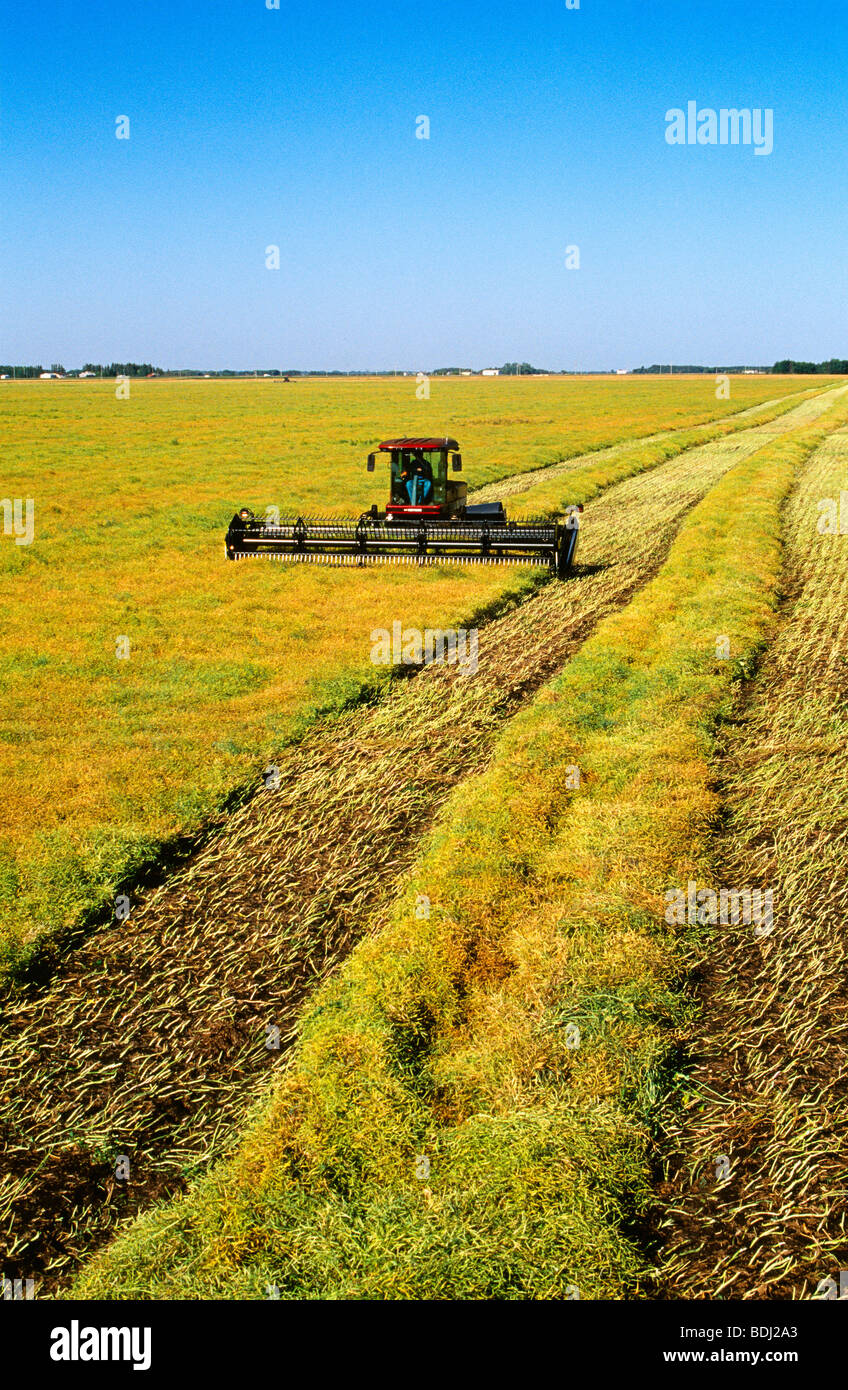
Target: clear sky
{"x":296,"y":127}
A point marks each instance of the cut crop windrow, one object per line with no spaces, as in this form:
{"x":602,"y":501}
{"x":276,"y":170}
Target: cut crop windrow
{"x":593,"y":472}
{"x":770,"y":1085}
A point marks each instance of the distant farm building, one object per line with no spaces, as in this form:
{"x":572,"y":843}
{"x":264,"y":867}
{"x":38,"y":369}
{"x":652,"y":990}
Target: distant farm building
{"x":491,"y":371}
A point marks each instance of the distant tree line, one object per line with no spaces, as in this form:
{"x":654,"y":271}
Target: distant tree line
{"x":667,"y":368}
{"x":837,"y":366}
{"x":121,"y":369}
{"x":113,"y":369}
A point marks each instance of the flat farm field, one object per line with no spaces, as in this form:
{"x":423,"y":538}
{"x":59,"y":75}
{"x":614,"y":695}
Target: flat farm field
{"x":105,"y":757}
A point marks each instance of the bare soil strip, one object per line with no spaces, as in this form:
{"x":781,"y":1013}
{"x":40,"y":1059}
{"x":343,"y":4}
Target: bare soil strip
{"x":770,"y":1089}
{"x":153,"y":1037}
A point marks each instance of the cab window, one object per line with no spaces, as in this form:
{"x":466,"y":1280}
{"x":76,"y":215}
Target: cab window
{"x":418,"y":476}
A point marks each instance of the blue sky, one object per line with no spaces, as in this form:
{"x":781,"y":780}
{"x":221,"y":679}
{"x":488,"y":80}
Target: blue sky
{"x":295,"y":127}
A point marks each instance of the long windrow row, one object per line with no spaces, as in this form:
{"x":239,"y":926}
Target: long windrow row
{"x":770,"y":1092}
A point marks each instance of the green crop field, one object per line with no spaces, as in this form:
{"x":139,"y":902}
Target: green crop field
{"x":412,"y":1021}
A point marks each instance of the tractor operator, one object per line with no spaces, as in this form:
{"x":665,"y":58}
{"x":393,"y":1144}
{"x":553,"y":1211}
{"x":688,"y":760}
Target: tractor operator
{"x":417,"y":477}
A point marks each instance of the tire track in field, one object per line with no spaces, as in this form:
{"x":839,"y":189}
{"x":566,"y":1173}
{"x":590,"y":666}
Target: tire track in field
{"x":151,"y":1040}
{"x":771,"y":1074}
